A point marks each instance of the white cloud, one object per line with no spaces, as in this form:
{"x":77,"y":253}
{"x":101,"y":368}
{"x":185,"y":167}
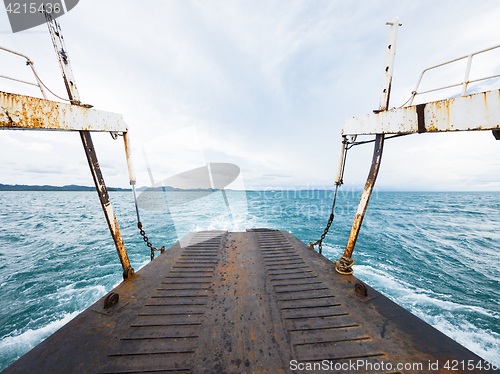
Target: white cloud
{"x":266,"y":84}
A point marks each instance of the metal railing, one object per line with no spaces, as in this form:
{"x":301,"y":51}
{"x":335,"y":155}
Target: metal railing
{"x":30,"y":63}
{"x":464,"y":83}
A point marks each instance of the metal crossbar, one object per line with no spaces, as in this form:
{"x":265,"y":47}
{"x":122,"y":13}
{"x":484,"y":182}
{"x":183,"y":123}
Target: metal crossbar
{"x":30,"y":63}
{"x":464,"y":83}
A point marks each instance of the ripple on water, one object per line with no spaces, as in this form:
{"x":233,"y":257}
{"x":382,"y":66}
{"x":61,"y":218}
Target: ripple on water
{"x":435,"y":254}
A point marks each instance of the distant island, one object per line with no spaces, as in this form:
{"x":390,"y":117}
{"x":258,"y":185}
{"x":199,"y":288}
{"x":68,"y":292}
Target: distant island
{"x":71,"y":187}
{"x":168,"y":188}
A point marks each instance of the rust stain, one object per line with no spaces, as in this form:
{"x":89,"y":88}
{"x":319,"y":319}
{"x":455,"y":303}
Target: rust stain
{"x":252,"y":337}
{"x":273,"y":332}
{"x":39,"y":114}
{"x":465,"y":113}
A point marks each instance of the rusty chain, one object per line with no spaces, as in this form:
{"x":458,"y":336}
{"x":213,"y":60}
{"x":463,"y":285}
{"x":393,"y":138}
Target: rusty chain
{"x":349,"y":145}
{"x":139,"y":226}
{"x":319,"y":242}
{"x":148,"y":243}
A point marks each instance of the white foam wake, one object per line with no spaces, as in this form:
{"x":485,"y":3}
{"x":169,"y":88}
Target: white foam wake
{"x":446,"y":316}
{"x":16,"y":345}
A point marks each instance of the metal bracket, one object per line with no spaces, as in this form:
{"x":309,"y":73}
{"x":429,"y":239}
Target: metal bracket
{"x":342,"y":265}
{"x":361,"y":289}
{"x":111,"y":300}
{"x":69,"y":81}
{"x":112,"y":304}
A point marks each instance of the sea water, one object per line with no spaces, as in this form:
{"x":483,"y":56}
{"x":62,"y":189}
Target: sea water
{"x":437,"y":254}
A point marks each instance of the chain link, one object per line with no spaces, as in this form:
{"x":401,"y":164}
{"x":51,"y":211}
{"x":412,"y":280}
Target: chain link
{"x":320,"y":244}
{"x":330,"y":220}
{"x":348,"y":145}
{"x":320,"y":241}
{"x":148,"y":243}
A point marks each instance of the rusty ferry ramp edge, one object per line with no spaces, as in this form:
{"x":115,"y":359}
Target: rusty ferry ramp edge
{"x":242,"y":302}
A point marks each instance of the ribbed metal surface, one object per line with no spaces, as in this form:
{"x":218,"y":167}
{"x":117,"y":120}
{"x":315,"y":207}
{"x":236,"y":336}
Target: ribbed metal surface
{"x":251,"y":302}
{"x":164,"y":334}
{"x":320,"y":328}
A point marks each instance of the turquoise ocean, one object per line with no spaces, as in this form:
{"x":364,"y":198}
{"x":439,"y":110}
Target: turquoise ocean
{"x":437,"y":254}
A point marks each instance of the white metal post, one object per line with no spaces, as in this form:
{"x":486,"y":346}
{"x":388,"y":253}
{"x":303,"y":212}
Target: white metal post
{"x":62,"y":56}
{"x":466,"y":78}
{"x":344,"y":264}
{"x":390,"y":54}
{"x":69,"y":81}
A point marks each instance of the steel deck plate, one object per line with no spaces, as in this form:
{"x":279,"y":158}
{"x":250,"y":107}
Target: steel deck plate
{"x":259,"y":301}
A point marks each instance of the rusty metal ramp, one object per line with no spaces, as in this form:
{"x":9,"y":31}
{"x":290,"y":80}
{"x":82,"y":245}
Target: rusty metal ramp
{"x":259,"y":301}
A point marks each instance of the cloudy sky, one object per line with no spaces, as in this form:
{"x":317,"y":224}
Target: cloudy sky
{"x":265,"y":85}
